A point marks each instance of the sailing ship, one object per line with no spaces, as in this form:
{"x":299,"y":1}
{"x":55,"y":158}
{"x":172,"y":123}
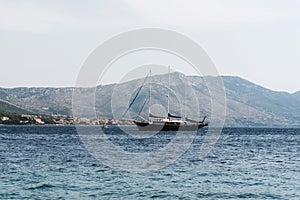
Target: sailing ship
{"x":168,"y":123}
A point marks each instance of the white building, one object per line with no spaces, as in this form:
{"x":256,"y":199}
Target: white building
{"x":4,"y":118}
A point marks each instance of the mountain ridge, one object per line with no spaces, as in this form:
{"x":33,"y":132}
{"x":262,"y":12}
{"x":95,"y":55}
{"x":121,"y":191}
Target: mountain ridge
{"x":72,"y":87}
{"x":248,"y":104}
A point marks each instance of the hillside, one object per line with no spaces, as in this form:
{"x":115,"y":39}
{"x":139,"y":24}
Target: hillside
{"x":248,"y":104}
{"x":6,"y":107}
{"x":11,"y":114}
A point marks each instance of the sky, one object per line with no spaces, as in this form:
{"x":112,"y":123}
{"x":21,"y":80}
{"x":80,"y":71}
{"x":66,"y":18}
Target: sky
{"x":45,"y":43}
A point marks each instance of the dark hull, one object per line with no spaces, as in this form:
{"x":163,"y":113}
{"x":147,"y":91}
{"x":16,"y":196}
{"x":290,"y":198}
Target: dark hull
{"x":145,"y":126}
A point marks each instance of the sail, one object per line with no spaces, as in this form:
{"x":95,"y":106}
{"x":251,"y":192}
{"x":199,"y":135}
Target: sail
{"x":155,"y":116}
{"x":142,"y":108}
{"x":136,"y":95}
{"x":173,"y":116}
{"x":192,"y":120}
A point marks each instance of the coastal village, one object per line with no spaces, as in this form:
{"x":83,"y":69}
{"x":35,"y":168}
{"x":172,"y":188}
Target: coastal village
{"x":32,"y":119}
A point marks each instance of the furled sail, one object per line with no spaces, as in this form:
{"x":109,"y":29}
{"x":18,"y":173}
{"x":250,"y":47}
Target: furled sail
{"x":173,"y":116}
{"x":155,"y":116}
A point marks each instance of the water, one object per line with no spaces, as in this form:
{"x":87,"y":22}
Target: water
{"x":40,"y":162}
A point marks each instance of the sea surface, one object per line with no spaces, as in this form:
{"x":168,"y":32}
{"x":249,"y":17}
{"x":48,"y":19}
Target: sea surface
{"x":51,"y":162}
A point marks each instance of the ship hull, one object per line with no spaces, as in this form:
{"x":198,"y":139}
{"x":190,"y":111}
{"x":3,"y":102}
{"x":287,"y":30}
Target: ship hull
{"x":145,"y":126}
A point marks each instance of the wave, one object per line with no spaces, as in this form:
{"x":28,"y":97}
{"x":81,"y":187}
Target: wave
{"x":40,"y":186}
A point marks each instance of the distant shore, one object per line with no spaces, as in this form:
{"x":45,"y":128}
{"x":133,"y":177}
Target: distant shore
{"x":58,"y":120}
{"x":87,"y":125}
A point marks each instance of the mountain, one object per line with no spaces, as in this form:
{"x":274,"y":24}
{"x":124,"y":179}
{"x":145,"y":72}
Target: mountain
{"x":6,"y":108}
{"x":261,"y":105}
{"x":11,"y":114}
{"x":40,"y":100}
{"x":296,"y":95}
{"x":248,"y":104}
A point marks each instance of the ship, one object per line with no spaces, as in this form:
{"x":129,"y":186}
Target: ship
{"x":170,"y":122}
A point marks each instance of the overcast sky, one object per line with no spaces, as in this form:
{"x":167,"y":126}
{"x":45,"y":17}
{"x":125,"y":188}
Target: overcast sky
{"x":44,"y":43}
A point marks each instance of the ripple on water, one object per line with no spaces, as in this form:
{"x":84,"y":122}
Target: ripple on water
{"x":51,"y":162}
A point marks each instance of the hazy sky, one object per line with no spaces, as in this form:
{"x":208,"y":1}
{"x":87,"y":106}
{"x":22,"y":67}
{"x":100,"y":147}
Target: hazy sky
{"x":44,"y":43}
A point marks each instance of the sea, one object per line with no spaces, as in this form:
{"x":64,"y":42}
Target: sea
{"x":53,"y":162}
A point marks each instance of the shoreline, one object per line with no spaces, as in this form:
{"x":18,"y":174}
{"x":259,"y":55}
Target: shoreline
{"x":83,"y":125}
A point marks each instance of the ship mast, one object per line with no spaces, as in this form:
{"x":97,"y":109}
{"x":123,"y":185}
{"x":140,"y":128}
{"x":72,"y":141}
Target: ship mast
{"x":149,"y":96}
{"x":184,"y":100}
{"x":168,"y":90}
